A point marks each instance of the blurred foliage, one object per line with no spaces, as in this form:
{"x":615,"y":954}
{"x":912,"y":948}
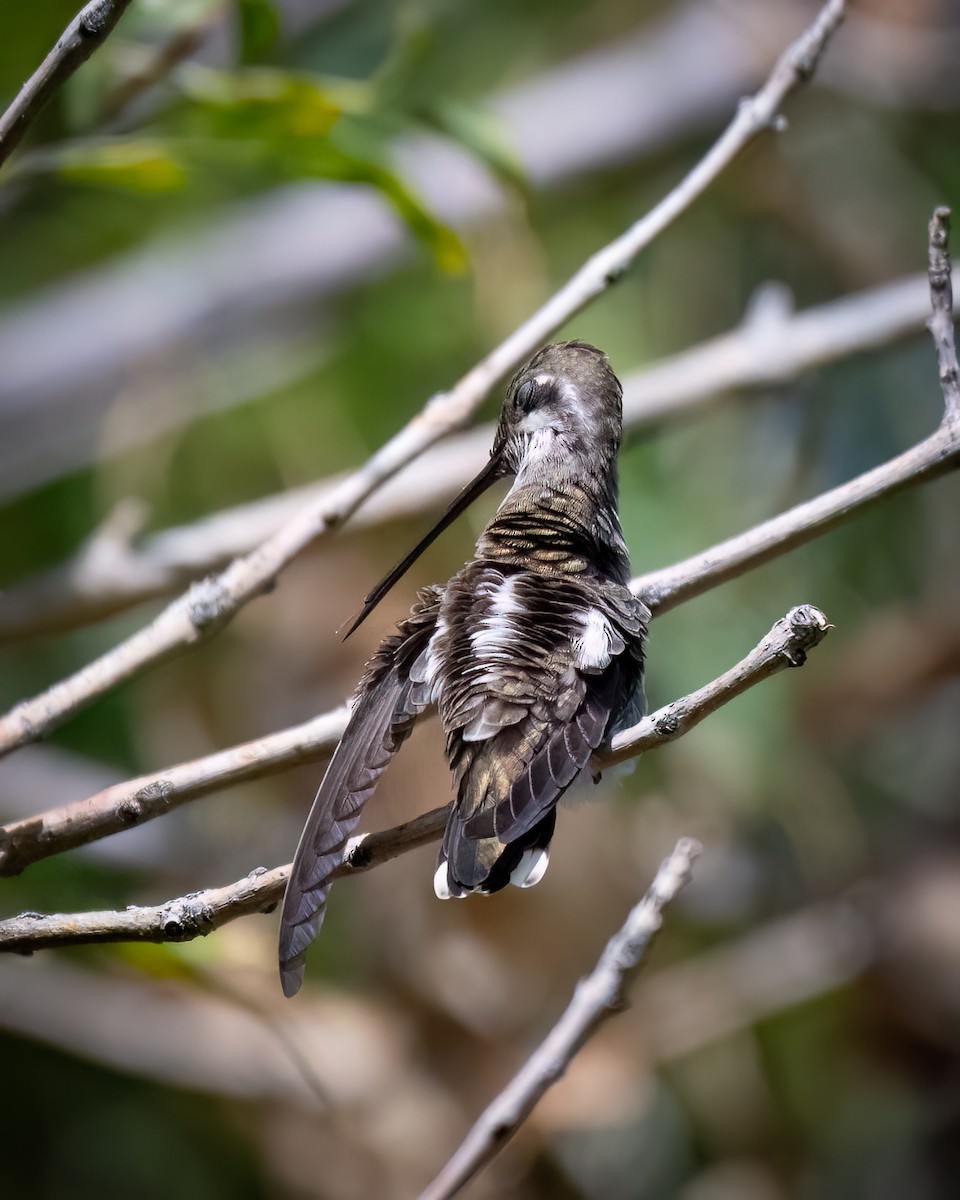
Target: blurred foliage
{"x":835,"y":785}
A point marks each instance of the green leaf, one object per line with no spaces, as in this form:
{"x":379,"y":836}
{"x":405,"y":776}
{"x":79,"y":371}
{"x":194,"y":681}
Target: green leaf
{"x":137,"y":166}
{"x":254,"y":103}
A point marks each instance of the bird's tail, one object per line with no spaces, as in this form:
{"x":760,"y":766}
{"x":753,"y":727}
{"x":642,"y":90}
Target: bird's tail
{"x":468,"y":864}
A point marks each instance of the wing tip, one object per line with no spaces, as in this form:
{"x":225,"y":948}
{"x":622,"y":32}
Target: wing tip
{"x":291,"y":975}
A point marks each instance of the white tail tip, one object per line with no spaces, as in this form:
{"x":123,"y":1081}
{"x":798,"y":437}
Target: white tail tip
{"x":531,"y":868}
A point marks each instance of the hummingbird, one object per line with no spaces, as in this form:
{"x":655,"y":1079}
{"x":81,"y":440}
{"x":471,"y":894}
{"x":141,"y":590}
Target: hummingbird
{"x":532,"y":653}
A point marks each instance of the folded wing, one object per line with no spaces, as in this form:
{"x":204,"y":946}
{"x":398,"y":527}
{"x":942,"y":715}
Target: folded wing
{"x":383,"y":714}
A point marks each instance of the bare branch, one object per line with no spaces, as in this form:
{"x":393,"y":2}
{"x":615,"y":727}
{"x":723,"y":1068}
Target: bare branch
{"x":596,"y":998}
{"x":89,"y":29}
{"x":786,"y":645}
{"x":125,"y":805}
{"x":112,"y":571}
{"x":941,"y":323}
{"x":210,"y":604}
{"x":135,"y":801}
{"x":666,"y":588}
{"x":179,"y":920}
{"x":199,"y":913}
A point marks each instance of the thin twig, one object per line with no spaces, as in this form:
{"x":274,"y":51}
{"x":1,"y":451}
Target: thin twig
{"x":669,"y":586}
{"x":786,"y":645}
{"x":199,"y":913}
{"x":135,"y":801}
{"x":209,"y":605}
{"x":941,"y":299}
{"x":89,"y":29}
{"x":164,"y":59}
{"x":596,"y":998}
{"x":115,"y":569}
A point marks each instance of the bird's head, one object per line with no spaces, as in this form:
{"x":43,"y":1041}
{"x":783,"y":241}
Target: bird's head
{"x":562,"y":413}
{"x":564,"y":405}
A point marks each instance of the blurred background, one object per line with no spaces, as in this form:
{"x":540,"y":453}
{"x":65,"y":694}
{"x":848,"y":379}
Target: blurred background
{"x":240,"y":249}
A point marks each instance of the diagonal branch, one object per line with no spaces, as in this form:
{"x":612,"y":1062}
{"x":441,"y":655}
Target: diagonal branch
{"x":209,"y":605}
{"x":115,"y":569}
{"x":136,"y":801}
{"x":670,"y":586}
{"x":201,"y":912}
{"x":89,"y":29}
{"x":596,"y":998}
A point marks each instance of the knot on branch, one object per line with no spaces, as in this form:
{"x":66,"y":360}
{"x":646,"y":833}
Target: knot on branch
{"x":133,"y":809}
{"x":94,"y":20}
{"x":806,"y":53}
{"x":806,"y":627}
{"x":668,"y":721}
{"x":208,"y":604}
{"x":186,"y":918}
{"x":938,"y":247}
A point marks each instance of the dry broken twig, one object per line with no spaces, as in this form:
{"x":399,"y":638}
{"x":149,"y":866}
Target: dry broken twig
{"x":208,"y":605}
{"x":596,"y":998}
{"x":201,"y":912}
{"x":89,"y":29}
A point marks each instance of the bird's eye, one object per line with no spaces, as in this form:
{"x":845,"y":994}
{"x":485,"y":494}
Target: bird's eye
{"x":524,"y":396}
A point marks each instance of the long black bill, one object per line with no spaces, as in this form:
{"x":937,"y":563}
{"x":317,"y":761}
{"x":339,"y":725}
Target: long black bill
{"x":489,"y":475}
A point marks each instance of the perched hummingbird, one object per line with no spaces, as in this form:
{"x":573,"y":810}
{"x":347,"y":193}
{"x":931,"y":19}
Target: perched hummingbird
{"x":533,"y":652}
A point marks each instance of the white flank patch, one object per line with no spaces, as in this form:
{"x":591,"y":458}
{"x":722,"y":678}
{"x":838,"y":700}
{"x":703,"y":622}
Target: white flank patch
{"x":493,"y":636}
{"x":505,"y":602}
{"x":592,"y":647}
{"x":480,"y":728}
{"x":531,"y":868}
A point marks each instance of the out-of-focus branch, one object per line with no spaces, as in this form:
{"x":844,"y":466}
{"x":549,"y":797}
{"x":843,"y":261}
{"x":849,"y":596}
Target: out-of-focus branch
{"x":941,"y":323}
{"x":89,"y":29}
{"x":596,"y":998}
{"x":173,"y":1034}
{"x":179,"y":920}
{"x":209,"y":605}
{"x":112,"y":571}
{"x":164,"y":59}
